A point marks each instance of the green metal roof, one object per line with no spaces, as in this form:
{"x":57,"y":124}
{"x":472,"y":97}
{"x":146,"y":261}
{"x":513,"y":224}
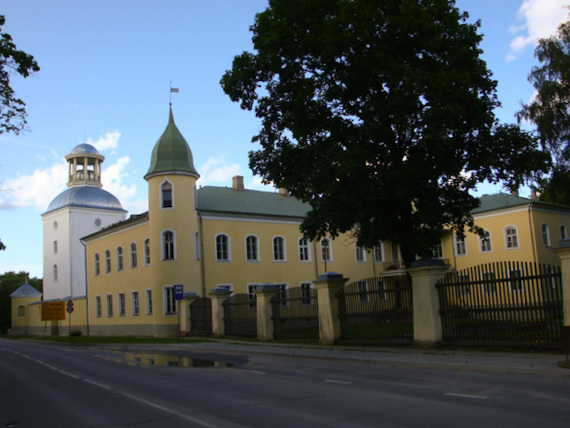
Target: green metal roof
{"x":252,"y":202}
{"x":171,"y":153}
{"x":501,"y":201}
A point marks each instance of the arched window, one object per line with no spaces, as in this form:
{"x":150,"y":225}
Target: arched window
{"x":166,"y":196}
{"x":222,"y":248}
{"x":147,"y":251}
{"x":304,"y":250}
{"x":545,"y":235}
{"x":119,"y":258}
{"x":55,"y":272}
{"x":511,"y":238}
{"x":485,"y":242}
{"x":251,"y":249}
{"x":97,"y":264}
{"x":460,"y":246}
{"x":107,"y":261}
{"x":21,"y":311}
{"x":326,"y":250}
{"x":134,"y":260}
{"x":279,"y":249}
{"x":168,"y":245}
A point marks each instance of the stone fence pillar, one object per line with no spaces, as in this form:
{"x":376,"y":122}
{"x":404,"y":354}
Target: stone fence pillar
{"x":427,"y":320}
{"x":327,"y":285}
{"x":218,"y":296}
{"x":264,"y":293}
{"x":564,"y":253}
{"x":185,"y":303}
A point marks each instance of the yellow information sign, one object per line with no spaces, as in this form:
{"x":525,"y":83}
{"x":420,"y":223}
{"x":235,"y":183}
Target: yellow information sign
{"x":53,"y":311}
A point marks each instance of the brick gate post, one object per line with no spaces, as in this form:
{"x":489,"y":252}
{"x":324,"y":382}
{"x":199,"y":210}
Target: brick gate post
{"x":427,"y":319}
{"x":185,"y":310}
{"x":218,"y":295}
{"x":327,"y":285}
{"x":264,"y":293}
{"x":564,"y":253}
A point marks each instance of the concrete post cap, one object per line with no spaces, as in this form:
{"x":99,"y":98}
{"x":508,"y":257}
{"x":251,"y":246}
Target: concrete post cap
{"x":328,"y":276}
{"x":220,"y":291}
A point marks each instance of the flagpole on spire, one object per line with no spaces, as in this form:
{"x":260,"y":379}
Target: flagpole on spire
{"x":172,"y":90}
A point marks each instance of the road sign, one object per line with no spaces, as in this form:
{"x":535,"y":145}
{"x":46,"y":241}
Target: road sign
{"x":178,"y":292}
{"x":53,"y":311}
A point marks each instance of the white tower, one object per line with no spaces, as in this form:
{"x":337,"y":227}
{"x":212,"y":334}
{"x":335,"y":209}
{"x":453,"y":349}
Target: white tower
{"x":82,"y":209}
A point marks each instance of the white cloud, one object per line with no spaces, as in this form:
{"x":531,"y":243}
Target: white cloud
{"x":539,"y":19}
{"x":109,"y":141}
{"x":218,"y":171}
{"x":113,"y":180}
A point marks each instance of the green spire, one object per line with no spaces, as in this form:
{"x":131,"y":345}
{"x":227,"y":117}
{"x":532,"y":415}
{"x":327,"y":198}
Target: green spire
{"x":171,"y":153}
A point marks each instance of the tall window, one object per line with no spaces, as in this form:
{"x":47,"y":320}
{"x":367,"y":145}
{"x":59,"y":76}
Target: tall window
{"x":489,"y":282}
{"x":97,"y":264}
{"x":55,"y":247}
{"x":360,"y":254}
{"x":98,"y":308}
{"x":109,"y":305}
{"x":363,"y":291}
{"x":251,"y":251}
{"x":278,"y":249}
{"x":395,"y":254}
{"x":147,"y":251}
{"x":222,"y":248}
{"x":149,"y":302}
{"x":107,"y":261}
{"x":485,"y":242}
{"x":122,"y":305}
{"x":379,"y":253}
{"x":304,"y":251}
{"x":135,"y":301}
{"x":168,"y":245}
{"x":511,"y":238}
{"x":251,"y":295}
{"x":170,"y":305}
{"x":563,"y":232}
{"x":197,"y":245}
{"x":306,"y":293}
{"x":55,"y":272}
{"x":326,"y":250}
{"x":460,"y":247}
{"x":166,"y":195}
{"x":119,"y":258}
{"x":516,"y":281}
{"x":545,"y":235}
{"x":437,"y":252}
{"x":134,"y":261}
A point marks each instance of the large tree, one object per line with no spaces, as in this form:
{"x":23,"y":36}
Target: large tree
{"x":549,"y":110}
{"x":12,"y":61}
{"x":379,"y":114}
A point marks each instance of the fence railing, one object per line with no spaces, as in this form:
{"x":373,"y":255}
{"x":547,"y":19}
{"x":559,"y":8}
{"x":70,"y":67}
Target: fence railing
{"x":240,"y":315}
{"x":377,"y":310}
{"x":502,"y":303}
{"x":295,"y":314}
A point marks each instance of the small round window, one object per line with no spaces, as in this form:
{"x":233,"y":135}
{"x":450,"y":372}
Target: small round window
{"x":98,"y":222}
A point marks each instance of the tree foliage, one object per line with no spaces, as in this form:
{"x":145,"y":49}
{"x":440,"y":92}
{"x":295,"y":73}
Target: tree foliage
{"x":12,"y":61}
{"x":9,"y":282}
{"x":379,"y":114}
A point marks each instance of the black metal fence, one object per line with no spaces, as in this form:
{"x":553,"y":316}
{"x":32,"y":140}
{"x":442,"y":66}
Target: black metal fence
{"x":295,"y":314}
{"x":201,"y":316}
{"x":503,"y":303}
{"x":240,"y":315}
{"x":377,"y":310}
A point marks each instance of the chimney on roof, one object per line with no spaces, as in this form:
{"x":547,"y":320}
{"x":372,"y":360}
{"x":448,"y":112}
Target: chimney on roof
{"x":237,"y":182}
{"x":283,"y":192}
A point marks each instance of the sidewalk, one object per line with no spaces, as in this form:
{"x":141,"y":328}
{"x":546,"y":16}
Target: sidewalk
{"x":506,"y":362}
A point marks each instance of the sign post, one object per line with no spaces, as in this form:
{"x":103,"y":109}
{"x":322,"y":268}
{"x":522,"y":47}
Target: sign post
{"x":69,"y":311}
{"x":178,"y":295}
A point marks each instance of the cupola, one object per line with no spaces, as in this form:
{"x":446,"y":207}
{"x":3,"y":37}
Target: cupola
{"x":171,"y":154}
{"x":84,"y":166}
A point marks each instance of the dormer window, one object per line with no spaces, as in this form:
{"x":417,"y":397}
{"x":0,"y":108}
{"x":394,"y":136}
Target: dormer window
{"x":166,"y":195}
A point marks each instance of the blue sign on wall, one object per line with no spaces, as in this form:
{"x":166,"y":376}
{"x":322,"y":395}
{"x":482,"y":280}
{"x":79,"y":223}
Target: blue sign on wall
{"x":178,"y":292}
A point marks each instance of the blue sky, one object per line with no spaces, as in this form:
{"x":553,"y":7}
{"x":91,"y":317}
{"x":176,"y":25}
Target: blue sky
{"x":106,"y":67}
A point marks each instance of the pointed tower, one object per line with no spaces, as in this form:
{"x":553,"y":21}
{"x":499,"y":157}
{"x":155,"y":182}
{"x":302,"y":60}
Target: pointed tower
{"x":82,"y":209}
{"x":173,"y":219}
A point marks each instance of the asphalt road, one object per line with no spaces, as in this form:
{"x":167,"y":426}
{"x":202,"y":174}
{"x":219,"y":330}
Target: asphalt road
{"x":46,"y":385}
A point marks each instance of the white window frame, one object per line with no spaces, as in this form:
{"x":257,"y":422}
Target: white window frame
{"x":545,"y":230}
{"x":146,"y":250}
{"x":166,"y":182}
{"x":109,"y":305}
{"x":135,"y":301}
{"x":170,"y":304}
{"x":148,"y":301}
{"x":304,"y":249}
{"x":378,"y":251}
{"x":279,"y":250}
{"x":437,"y":251}
{"x":228,"y":287}
{"x":459,"y":246}
{"x":326,"y":250}
{"x":511,"y":239}
{"x":166,"y":256}
{"x":97,"y":264}
{"x":122,"y":304}
{"x":98,"y":307}
{"x":133,"y":253}
{"x":485,"y":242}
{"x":218,"y":246}
{"x":251,"y":251}
{"x":119,"y":258}
{"x":108,"y":266}
{"x":360,"y":254}
{"x":251,"y":294}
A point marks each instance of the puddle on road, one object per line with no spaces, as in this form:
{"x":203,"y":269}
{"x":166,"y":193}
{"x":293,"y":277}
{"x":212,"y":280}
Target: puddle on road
{"x":154,"y":359}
